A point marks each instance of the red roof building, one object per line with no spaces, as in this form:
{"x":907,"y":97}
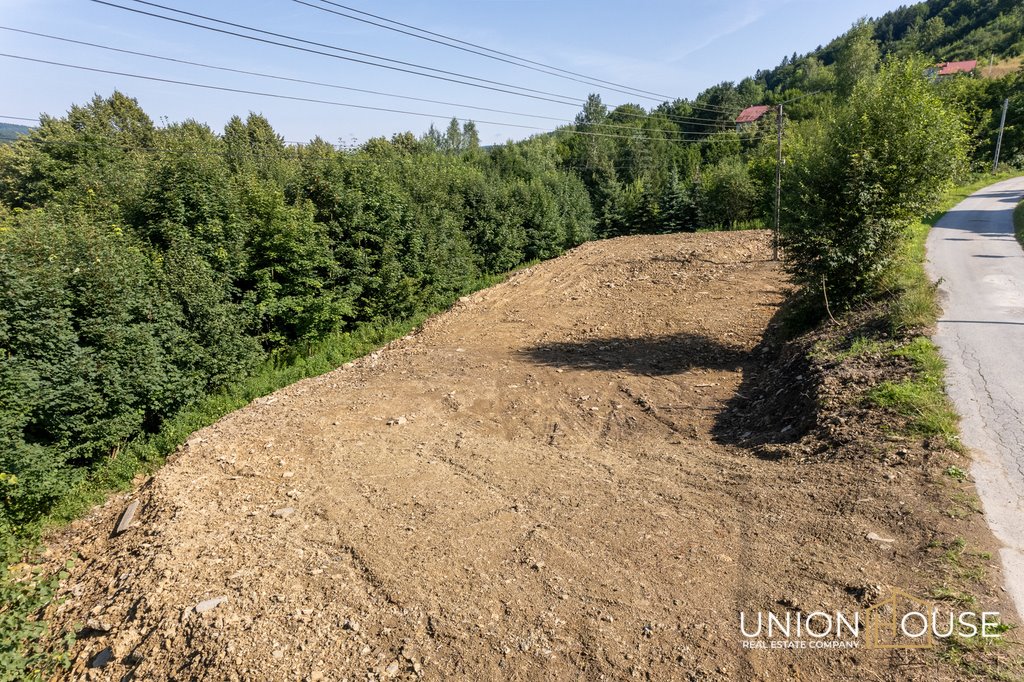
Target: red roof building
{"x":950,"y":68}
{"x":751,"y":114}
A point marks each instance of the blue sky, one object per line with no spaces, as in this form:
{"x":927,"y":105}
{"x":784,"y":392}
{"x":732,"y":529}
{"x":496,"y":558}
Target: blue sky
{"x":676,"y":48}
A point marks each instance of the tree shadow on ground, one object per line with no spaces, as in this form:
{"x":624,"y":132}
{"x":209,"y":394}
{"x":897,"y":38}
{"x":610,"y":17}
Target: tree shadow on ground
{"x":658,"y":356}
{"x":776,"y":400}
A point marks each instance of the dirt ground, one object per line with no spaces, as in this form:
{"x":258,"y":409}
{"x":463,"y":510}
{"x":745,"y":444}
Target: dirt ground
{"x":577,"y":474}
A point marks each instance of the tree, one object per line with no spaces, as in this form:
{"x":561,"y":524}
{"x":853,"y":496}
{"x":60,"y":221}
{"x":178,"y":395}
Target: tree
{"x":727,"y":195}
{"x":851,"y":190}
{"x":856,"y":58}
{"x":451,"y":142}
{"x":470,"y":136}
{"x":93,"y":157}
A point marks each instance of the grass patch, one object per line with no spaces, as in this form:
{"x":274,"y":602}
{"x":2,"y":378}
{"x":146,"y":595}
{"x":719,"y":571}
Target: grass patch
{"x":950,"y":594}
{"x":921,"y":399}
{"x":25,"y":593}
{"x":956,"y":473}
{"x":975,"y":656}
{"x":1018,"y":222}
{"x":831,"y":349}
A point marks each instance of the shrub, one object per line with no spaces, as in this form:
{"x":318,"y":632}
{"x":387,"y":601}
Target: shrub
{"x":852,"y":191}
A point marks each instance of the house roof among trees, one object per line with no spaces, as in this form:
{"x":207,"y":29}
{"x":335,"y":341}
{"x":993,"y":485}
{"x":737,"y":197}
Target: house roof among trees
{"x":949,"y":68}
{"x":751,"y":114}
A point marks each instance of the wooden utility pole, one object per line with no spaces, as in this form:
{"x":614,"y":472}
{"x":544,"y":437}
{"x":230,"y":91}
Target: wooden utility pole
{"x":999,"y":140}
{"x":778,"y":184}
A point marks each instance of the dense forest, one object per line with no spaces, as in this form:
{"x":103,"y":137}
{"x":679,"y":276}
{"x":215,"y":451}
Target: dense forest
{"x":143,"y":267}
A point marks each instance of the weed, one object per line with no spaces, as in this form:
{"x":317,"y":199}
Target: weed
{"x":956,"y":473}
{"x":950,"y":594}
{"x":24,"y":594}
{"x":955,"y":550}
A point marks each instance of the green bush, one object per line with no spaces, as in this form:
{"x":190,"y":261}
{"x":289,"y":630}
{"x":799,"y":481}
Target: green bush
{"x":853,"y":188}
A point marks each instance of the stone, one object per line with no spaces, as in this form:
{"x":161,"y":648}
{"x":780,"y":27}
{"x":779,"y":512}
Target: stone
{"x":209,"y":604}
{"x":127,"y":516}
{"x":101,"y":659}
{"x":97,"y":625}
{"x":392,"y":669}
{"x":283,"y":513}
{"x":875,"y":537}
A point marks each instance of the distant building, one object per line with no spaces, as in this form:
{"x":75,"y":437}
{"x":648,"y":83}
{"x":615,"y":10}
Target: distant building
{"x":952,"y":68}
{"x":751,"y":114}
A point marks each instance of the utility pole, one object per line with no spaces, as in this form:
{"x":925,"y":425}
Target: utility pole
{"x":999,"y":140}
{"x":778,"y":183}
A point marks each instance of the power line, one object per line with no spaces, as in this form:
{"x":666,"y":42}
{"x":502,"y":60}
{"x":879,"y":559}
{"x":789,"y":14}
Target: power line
{"x":549,"y":70}
{"x":20,"y":118}
{"x":312,"y":100}
{"x":491,"y":50}
{"x":681,"y":134}
{"x":275,"y":77}
{"x":322,"y":84}
{"x":253,"y":92}
{"x":481,"y":81}
{"x":572,"y":101}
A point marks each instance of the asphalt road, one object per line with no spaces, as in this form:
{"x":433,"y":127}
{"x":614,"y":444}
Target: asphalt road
{"x":979,"y":265}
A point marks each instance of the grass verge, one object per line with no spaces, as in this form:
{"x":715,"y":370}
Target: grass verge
{"x":915,"y":305}
{"x":26,"y":593}
{"x":1018,"y":222}
{"x":921,"y":397}
{"x":886,"y":344}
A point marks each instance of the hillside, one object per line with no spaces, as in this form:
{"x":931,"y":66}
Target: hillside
{"x":944,"y":30}
{"x":11,"y":131}
{"x":954,"y":29}
{"x":566,"y":476}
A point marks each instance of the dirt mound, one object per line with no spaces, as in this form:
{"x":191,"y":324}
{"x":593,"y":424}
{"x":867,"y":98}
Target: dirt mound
{"x":526,"y":488}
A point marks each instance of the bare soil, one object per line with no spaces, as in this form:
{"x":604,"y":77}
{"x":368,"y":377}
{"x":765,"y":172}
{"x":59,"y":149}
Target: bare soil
{"x":586,"y":472}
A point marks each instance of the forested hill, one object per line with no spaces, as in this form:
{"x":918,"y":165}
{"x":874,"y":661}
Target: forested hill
{"x":10,"y":131}
{"x":954,"y":29}
{"x":944,"y":30}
